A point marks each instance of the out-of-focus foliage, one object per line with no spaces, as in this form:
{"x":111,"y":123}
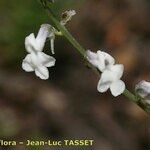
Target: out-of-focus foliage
{"x":18,"y":19}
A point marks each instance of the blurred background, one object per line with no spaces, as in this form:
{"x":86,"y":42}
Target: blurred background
{"x":68,"y":106}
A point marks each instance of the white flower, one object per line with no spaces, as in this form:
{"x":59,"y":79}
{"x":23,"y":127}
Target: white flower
{"x":143,"y":89}
{"x":111,"y":73}
{"x":101,"y":59}
{"x":67,"y":16}
{"x":38,"y":62}
{"x":110,"y":78}
{"x":33,"y":44}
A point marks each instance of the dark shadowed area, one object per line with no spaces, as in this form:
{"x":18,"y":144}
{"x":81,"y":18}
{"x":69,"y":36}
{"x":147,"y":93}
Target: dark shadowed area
{"x":68,"y":106}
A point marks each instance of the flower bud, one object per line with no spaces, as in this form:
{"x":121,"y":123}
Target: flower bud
{"x":143,"y":89}
{"x":67,"y":16}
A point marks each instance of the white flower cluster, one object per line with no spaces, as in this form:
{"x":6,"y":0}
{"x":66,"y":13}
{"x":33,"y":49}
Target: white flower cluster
{"x":111,"y":72}
{"x":36,"y":60}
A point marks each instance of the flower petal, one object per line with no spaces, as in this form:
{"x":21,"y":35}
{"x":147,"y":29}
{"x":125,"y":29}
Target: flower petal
{"x":101,"y":61}
{"x":30,"y":43}
{"x":117,"y":71}
{"x":27,"y":65}
{"x":46,"y":60}
{"x":92,"y":58}
{"x":107,"y":76}
{"x":42,"y":72}
{"x":117,"y":88}
{"x":41,"y":36}
{"x":109,"y":60}
{"x":103,"y":86}
{"x":35,"y":60}
{"x":104,"y":60}
{"x":91,"y":55}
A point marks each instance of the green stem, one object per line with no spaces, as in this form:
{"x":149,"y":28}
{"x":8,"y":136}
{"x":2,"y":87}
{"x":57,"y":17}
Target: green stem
{"x":136,"y":99}
{"x":82,"y":51}
{"x":131,"y":96}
